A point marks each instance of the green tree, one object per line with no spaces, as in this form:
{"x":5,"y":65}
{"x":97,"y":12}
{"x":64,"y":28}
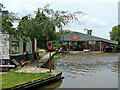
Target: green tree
{"x":56,"y":43}
{"x":46,"y":29}
{"x":6,"y":20}
{"x":42,"y":26}
{"x":63,"y":32}
{"x":39,"y":27}
{"x":115,"y":35}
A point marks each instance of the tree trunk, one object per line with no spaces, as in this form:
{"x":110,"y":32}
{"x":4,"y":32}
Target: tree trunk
{"x":33,"y":48}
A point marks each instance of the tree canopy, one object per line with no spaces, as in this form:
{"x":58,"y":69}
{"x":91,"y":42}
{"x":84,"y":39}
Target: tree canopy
{"x":63,"y":32}
{"x":115,"y":35}
{"x":42,"y":26}
{"x":6,"y":20}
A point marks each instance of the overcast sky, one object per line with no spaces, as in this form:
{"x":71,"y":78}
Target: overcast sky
{"x":101,"y":16}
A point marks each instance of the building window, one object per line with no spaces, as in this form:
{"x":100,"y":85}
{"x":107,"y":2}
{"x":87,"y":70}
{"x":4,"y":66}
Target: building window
{"x":15,"y":47}
{"x":24,"y":46}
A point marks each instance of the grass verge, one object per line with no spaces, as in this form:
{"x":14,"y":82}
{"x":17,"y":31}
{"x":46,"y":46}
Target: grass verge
{"x":57,"y":56}
{"x":11,"y":79}
{"x":41,"y":54}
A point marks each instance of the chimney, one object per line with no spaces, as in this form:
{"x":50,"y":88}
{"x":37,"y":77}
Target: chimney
{"x":85,"y":30}
{"x":88,"y":31}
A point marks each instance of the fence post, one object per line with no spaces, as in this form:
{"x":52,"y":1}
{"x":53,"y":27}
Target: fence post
{"x":50,"y":62}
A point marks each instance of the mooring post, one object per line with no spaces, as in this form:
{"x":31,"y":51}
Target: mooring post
{"x":50,"y":62}
{"x":100,"y":47}
{"x":1,"y":62}
{"x":61,"y":49}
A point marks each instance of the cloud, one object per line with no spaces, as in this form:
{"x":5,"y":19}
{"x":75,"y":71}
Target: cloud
{"x":102,"y":32}
{"x":24,"y":7}
{"x":56,"y":1}
{"x":88,"y":1}
{"x":92,"y":22}
{"x":19,"y":7}
{"x":101,"y":14}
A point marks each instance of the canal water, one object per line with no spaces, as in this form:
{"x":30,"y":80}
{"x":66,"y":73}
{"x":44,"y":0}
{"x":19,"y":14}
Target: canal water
{"x":86,"y":70}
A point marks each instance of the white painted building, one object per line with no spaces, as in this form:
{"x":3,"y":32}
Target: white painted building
{"x":14,"y":48}
{"x":20,"y":47}
{"x":4,"y":46}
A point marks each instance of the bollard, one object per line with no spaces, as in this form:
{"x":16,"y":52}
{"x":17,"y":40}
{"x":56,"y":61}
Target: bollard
{"x":50,"y":62}
{"x":61,"y":51}
{"x":100,"y":46}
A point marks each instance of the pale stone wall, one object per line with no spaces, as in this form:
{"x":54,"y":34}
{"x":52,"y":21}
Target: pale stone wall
{"x":21,"y":46}
{"x":29,"y":46}
{"x":7,"y":49}
{"x":35,"y":45}
{"x":4,"y":46}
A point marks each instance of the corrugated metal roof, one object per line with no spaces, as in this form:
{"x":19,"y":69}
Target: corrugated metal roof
{"x":82,"y":37}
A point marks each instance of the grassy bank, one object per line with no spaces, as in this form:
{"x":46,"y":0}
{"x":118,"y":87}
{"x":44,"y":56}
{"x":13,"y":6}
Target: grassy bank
{"x":41,"y":54}
{"x":11,"y":79}
{"x":57,"y":56}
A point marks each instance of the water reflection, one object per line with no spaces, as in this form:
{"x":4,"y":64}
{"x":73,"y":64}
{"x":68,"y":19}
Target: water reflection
{"x":87,"y":70}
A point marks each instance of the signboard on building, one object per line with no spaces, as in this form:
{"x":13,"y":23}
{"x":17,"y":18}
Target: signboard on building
{"x":4,"y":46}
{"x":75,"y":37}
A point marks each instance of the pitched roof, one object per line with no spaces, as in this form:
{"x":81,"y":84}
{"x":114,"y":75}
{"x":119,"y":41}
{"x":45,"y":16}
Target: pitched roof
{"x":82,"y":37}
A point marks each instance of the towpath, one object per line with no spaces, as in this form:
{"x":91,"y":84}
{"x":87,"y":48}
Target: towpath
{"x":32,"y":67}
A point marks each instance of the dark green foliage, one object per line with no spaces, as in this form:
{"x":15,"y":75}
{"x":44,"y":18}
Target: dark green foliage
{"x":115,"y":35}
{"x":57,"y":44}
{"x":63,"y":32}
{"x":42,"y":26}
{"x":6,"y":21}
{"x":39,"y":27}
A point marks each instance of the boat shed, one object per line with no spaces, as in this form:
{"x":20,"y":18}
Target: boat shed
{"x":79,"y":41}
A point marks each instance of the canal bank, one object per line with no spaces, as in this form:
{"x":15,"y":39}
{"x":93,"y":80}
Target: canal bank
{"x":34,"y":84}
{"x":33,"y":68}
{"x":87,"y":70}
